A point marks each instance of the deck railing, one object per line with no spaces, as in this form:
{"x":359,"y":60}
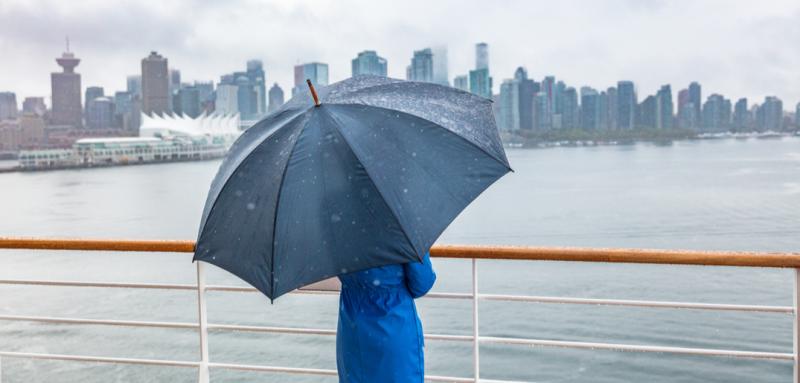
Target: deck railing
{"x":740,"y":259}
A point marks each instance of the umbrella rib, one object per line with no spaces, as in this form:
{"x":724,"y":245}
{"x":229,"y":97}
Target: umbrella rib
{"x":275,"y":216}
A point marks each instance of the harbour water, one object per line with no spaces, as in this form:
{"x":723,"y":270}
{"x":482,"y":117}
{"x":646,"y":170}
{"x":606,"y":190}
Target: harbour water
{"x":713,"y":194}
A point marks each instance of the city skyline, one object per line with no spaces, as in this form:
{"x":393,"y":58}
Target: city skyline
{"x":744,"y":51}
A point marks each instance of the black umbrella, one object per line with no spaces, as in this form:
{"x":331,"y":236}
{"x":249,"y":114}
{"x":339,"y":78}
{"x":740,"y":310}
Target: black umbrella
{"x":370,"y":176}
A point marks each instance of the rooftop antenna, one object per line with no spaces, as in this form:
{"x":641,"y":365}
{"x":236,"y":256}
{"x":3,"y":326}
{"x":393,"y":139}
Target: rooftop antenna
{"x":67,"y":38}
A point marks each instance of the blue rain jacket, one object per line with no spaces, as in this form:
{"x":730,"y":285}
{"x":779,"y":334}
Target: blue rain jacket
{"x":379,"y":338}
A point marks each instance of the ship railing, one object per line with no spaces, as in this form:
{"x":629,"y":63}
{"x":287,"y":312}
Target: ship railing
{"x":473,"y":253}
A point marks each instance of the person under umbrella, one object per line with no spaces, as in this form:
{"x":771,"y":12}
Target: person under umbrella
{"x":360,"y":186}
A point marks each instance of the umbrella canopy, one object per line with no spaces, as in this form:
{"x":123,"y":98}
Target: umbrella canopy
{"x":370,"y":177}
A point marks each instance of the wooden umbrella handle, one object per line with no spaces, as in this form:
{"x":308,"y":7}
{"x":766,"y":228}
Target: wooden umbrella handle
{"x":313,"y":92}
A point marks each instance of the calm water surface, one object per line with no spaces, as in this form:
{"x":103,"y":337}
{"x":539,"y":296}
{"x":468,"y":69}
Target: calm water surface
{"x":724,"y":195}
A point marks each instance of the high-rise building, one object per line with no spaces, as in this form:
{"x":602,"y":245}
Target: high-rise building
{"x":797,"y":115}
{"x":369,"y":63}
{"x":590,"y":109}
{"x":440,"y":66}
{"x":541,"y":118}
{"x":686,"y":117}
{"x":664,"y":108}
{"x":421,"y":67}
{"x":626,"y":105}
{"x":647,"y":113}
{"x":156,"y":97}
{"x":227,"y":101}
{"x":481,"y":56}
{"x":716,"y":113}
{"x":771,"y":114}
{"x":134,"y":87}
{"x":91,"y":93}
{"x":611,"y":108}
{"x":516,"y":102}
{"x":8,"y":106}
{"x":66,"y":92}
{"x":205,"y":90}
{"x":100,"y":113}
{"x":257,"y":77}
{"x":247,"y":96}
{"x":33,"y":105}
{"x":315,"y":71}
{"x":696,"y":99}
{"x":569,"y":109}
{"x":275,"y":97}
{"x":741,"y":116}
{"x":188,"y":101}
{"x":461,"y":82}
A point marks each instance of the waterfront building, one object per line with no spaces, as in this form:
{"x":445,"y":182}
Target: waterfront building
{"x":25,"y":132}
{"x":741,"y":116}
{"x":626,"y":105}
{"x":275,"y":97}
{"x":590,"y":109}
{"x":508,"y":105}
{"x":100,"y":113}
{"x":8,"y":106}
{"x":156,"y":97}
{"x":541,"y":119}
{"x":716,"y":113}
{"x":257,"y":77}
{"x":91,"y":93}
{"x":421,"y":67}
{"x":570,"y":110}
{"x":461,"y":82}
{"x":686,"y":117}
{"x":647,"y":113}
{"x":369,"y":63}
{"x":33,"y":105}
{"x":771,"y":114}
{"x":66,"y":92}
{"x":440,"y":66}
{"x":315,"y":71}
{"x":664,"y":108}
{"x":696,"y":100}
{"x":611,"y":108}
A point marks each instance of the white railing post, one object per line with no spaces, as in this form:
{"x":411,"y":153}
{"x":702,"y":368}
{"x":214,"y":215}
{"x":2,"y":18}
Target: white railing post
{"x":203,"y":375}
{"x":476,"y":344}
{"x":796,"y":335}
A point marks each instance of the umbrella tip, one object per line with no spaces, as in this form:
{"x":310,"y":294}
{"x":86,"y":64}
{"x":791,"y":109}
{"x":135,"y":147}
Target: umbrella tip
{"x":313,"y":92}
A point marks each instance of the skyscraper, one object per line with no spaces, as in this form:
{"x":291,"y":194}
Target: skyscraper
{"x":66,"y":92}
{"x":797,"y":115}
{"x":626,"y":105}
{"x":716,"y":113}
{"x":772,"y":114}
{"x":275,"y":97}
{"x":421,"y":67}
{"x":315,"y":71}
{"x":134,"y":87}
{"x":481,"y":56}
{"x":612,"y":109}
{"x":508,"y":116}
{"x":664,"y":108}
{"x":257,"y":77}
{"x":590,"y":108}
{"x":369,"y":63}
{"x":91,"y":93}
{"x":155,"y":84}
{"x":8,"y":106}
{"x":696,"y":99}
{"x":480,"y":82}
{"x":227,"y":101}
{"x":741,"y":116}
{"x":647,"y":113}
{"x":100,"y":113}
{"x":440,"y":66}
{"x":569,"y":108}
{"x":188,"y":101}
{"x":461,"y":82}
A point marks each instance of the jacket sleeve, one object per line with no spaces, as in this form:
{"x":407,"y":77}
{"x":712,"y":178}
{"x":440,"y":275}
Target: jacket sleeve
{"x":420,"y":276}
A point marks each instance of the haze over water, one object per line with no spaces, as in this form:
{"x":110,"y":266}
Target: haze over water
{"x":715,"y":195}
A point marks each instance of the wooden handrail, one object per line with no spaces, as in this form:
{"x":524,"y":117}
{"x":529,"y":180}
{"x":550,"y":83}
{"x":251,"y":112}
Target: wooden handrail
{"x":675,"y":257}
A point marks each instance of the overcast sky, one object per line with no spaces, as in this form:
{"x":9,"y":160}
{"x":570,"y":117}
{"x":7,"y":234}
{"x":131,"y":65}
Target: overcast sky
{"x":737,"y":48}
